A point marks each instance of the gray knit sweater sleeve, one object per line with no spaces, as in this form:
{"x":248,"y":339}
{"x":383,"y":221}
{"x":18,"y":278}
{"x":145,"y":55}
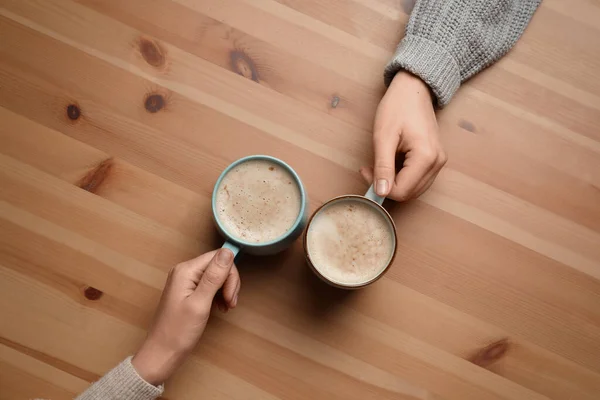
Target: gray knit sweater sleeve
{"x":448,"y":41}
{"x":121,"y":383}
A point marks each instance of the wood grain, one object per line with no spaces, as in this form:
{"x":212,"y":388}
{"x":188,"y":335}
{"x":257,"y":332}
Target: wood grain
{"x":116,"y":117}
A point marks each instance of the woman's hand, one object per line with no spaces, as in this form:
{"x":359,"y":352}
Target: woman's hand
{"x":405,"y":122}
{"x":184,"y":310}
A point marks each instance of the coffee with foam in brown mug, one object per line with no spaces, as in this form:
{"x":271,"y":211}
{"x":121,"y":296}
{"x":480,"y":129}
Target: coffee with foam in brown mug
{"x":351,"y":241}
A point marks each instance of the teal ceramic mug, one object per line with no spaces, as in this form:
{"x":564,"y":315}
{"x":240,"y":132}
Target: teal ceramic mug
{"x":236,"y":243}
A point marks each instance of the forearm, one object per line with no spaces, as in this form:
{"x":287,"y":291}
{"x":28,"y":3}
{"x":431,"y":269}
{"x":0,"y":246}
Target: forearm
{"x":179,"y":322}
{"x":123,"y":382}
{"x":449,"y":41}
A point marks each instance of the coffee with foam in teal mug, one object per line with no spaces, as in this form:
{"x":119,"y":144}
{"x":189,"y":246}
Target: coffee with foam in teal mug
{"x":259,"y":205}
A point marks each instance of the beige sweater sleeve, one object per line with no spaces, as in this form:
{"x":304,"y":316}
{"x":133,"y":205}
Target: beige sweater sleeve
{"x":448,"y":41}
{"x":121,"y":383}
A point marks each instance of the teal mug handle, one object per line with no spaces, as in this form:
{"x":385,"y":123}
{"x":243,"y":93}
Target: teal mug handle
{"x":371,"y":195}
{"x":234,"y":249}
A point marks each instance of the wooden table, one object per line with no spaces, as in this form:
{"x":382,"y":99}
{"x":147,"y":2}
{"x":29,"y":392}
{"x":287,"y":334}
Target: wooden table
{"x":116,"y":118}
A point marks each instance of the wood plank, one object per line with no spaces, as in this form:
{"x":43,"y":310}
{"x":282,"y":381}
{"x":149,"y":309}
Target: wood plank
{"x":122,"y":41}
{"x":20,"y":370}
{"x":553,"y":51}
{"x":334,"y":49}
{"x":422,"y":317}
{"x":45,"y":297}
{"x":504,"y":277}
{"x":538,"y":230}
{"x":73,"y":334}
{"x":279,"y":363}
{"x":247,"y":55}
{"x":17,"y":384}
{"x":64,"y":204}
{"x":187,"y":138}
{"x":271,"y":17}
{"x":381,"y":27}
{"x":131,"y":187}
{"x":582,"y":118}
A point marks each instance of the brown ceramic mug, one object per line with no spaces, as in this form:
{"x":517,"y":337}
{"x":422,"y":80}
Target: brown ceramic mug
{"x":350,"y":241}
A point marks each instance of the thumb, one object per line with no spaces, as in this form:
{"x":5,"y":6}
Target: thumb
{"x":385,"y":162}
{"x":214,"y":276}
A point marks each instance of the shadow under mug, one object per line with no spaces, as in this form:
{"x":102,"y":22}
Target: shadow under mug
{"x":376,"y":202}
{"x":236,"y":244}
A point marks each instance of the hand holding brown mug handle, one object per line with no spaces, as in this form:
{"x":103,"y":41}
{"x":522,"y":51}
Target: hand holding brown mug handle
{"x":183,"y":312}
{"x":405,"y":123}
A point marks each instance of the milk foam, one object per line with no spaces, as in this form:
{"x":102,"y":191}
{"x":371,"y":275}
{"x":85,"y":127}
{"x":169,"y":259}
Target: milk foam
{"x":258,"y":201}
{"x":350,"y":242}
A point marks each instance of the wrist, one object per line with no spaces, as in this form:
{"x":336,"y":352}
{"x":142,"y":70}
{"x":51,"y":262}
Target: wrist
{"x":155,"y":363}
{"x":405,"y":81}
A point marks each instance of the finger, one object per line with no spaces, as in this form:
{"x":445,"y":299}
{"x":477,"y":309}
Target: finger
{"x":220,"y":303}
{"x":441,"y":161}
{"x":196,"y":266}
{"x":367,"y":174}
{"x":185,"y":276}
{"x":426,"y":182}
{"x":214,"y":275}
{"x":237,"y":293}
{"x":385,"y":145}
{"x":416,"y":168}
{"x":230,"y":287}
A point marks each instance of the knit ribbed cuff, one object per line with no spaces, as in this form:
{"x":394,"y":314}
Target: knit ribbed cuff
{"x":430,"y":62}
{"x":123,"y":382}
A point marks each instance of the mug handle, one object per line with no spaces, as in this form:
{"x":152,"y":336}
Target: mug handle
{"x":371,"y":195}
{"x":234,"y":249}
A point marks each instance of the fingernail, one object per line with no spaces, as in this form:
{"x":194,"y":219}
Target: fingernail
{"x":381,"y":187}
{"x":235,"y":299}
{"x":224,"y":257}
